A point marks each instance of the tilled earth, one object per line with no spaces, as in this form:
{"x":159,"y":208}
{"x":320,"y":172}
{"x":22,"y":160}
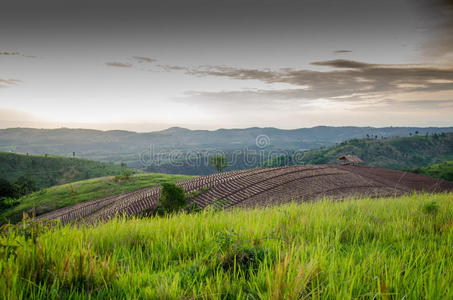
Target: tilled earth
{"x":262,"y":187}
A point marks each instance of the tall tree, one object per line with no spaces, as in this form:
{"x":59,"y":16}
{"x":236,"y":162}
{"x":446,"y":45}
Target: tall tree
{"x":219,"y":162}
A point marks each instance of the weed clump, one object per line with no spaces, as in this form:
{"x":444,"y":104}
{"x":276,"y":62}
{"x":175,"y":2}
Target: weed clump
{"x":234,"y":255}
{"x":430,"y":208}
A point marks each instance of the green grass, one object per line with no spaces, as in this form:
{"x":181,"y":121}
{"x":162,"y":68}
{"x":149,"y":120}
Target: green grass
{"x":443,"y":170}
{"x":85,"y":190}
{"x":386,"y":248}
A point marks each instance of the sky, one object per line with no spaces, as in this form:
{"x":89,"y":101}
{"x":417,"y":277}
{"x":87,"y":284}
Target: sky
{"x":149,"y":65}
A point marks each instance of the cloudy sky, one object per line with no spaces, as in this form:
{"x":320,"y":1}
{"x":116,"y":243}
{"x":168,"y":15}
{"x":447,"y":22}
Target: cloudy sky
{"x":149,"y":65}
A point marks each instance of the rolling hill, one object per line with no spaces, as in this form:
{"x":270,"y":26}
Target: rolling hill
{"x":392,"y":153}
{"x":48,"y":170}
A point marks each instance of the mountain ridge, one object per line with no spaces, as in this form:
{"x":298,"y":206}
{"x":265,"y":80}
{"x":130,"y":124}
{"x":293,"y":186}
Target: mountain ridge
{"x":127,"y":146}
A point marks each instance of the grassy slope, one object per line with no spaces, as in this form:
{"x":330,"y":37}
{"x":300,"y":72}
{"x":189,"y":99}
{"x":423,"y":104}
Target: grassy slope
{"x":392,"y":153}
{"x":67,"y":194}
{"x":53,"y":170}
{"x":443,"y":170}
{"x":370,"y":248}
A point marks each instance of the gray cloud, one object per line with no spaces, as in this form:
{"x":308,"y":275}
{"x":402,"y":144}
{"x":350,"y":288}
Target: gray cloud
{"x":355,"y":81}
{"x":359,"y":76}
{"x":143,"y":59}
{"x":10,"y":53}
{"x":118,"y":64}
{"x":342,"y":63}
{"x":5,"y":83}
{"x":342,"y":51}
{"x":15,"y":53}
{"x":170,"y":68}
{"x":139,"y":59}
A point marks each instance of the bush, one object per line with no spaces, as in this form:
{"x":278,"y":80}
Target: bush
{"x":172,"y":197}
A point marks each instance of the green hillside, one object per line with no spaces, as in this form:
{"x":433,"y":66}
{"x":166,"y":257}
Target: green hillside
{"x":67,"y":194}
{"x":392,"y":153}
{"x":50,"y":170}
{"x":443,"y":170}
{"x":381,"y":248}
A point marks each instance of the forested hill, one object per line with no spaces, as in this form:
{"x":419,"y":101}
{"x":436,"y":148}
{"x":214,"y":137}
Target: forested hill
{"x":125,"y":146}
{"x":50,"y":170}
{"x":393,"y":153}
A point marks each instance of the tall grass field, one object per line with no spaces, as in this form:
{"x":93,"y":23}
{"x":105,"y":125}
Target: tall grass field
{"x":385,"y":248}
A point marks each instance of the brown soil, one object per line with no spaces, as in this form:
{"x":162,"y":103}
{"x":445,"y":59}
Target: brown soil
{"x":262,"y":187}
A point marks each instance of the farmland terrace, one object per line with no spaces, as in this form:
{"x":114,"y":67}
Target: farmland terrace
{"x":262,"y":187}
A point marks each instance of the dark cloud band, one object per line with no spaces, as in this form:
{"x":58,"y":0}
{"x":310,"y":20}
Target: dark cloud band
{"x":342,"y":51}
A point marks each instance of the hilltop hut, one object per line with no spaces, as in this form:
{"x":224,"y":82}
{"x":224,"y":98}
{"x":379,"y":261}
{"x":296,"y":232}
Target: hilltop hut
{"x":349,"y":159}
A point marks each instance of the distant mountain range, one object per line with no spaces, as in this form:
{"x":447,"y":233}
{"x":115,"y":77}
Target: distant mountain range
{"x":126,"y":146}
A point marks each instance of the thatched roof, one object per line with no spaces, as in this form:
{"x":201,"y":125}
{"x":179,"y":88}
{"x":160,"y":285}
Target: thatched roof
{"x":350,"y":159}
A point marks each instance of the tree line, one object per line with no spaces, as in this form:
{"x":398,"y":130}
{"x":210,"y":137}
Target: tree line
{"x":10,"y":191}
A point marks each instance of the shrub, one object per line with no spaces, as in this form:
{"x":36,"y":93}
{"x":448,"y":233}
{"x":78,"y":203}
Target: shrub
{"x":172,"y":197}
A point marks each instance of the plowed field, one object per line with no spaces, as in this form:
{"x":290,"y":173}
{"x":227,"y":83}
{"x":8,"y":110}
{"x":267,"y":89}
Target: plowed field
{"x":269,"y":186}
